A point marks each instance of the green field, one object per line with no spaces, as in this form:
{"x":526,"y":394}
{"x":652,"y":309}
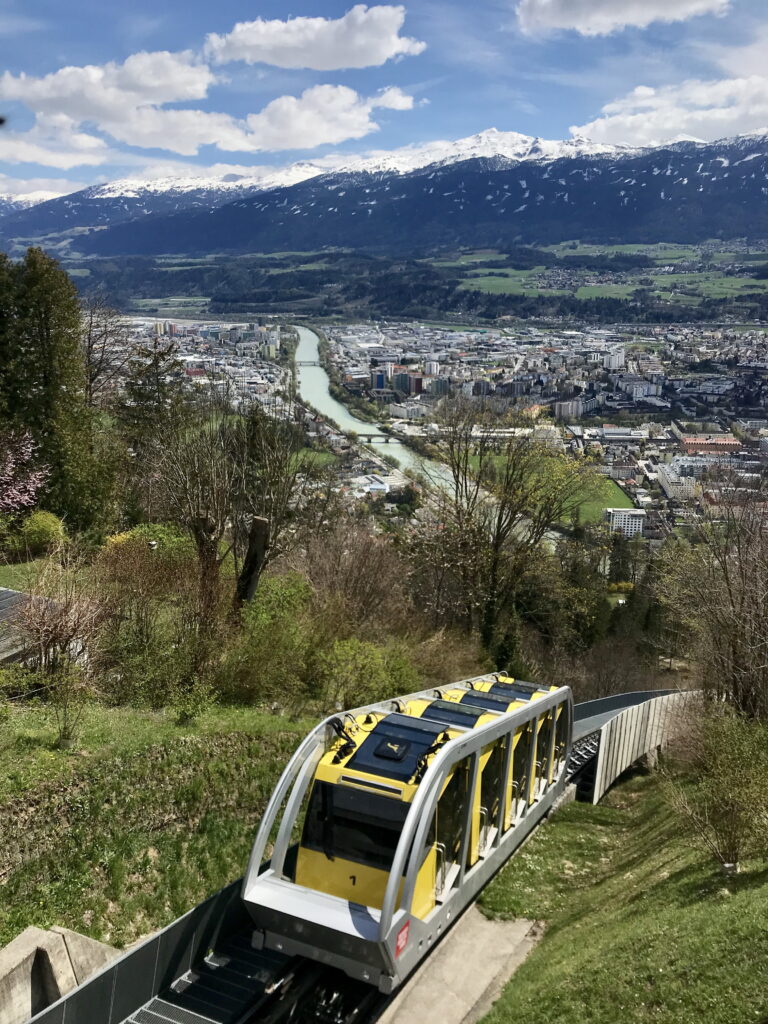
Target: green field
{"x":640,"y":927}
{"x":680,"y":287}
{"x":607,"y":495}
{"x":605,"y":291}
{"x":662,"y":251}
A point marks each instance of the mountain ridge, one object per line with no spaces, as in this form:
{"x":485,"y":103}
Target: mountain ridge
{"x":248,"y":214}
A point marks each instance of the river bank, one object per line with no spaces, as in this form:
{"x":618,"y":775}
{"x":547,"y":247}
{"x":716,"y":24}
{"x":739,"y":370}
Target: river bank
{"x":313,"y":385}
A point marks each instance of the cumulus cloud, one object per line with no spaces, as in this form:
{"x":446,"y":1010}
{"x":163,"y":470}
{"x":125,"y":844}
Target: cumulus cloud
{"x":106,"y":91}
{"x":322,"y":114}
{"x":705,"y":110}
{"x":55,"y":141}
{"x":363,"y":37}
{"x":602,"y":17}
{"x":129,"y":101}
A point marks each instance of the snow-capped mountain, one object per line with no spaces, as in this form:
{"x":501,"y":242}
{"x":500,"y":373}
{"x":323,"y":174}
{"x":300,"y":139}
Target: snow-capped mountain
{"x":126,"y":199}
{"x":687,"y":192}
{"x":14,"y":204}
{"x":494,"y":186}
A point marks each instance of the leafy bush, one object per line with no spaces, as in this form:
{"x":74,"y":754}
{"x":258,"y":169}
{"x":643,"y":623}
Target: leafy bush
{"x":18,"y":682}
{"x":353,"y":672}
{"x":192,"y":699}
{"x":39,"y":533}
{"x":169,"y":540}
{"x":267,"y":659}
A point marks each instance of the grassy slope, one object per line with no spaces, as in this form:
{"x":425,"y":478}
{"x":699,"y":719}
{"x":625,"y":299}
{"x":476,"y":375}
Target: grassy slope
{"x":640,"y":927}
{"x":139,"y":823}
{"x":19,"y":575}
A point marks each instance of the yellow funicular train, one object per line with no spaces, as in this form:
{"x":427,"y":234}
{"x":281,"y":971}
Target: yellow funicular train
{"x":390,"y":818}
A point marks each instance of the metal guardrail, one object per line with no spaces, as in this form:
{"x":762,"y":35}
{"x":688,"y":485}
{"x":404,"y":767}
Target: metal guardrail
{"x":116,"y":992}
{"x":635,"y":732}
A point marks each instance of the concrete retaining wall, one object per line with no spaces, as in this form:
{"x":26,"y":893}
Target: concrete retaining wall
{"x":40,"y":966}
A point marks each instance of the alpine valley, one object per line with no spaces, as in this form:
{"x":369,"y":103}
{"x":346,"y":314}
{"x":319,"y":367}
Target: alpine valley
{"x":493,"y":189}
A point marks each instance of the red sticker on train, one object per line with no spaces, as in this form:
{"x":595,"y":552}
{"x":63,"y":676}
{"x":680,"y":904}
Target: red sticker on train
{"x":402,"y":939}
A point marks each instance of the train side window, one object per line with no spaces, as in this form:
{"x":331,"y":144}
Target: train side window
{"x":520,"y":777}
{"x":450,"y":816}
{"x":491,"y":790}
{"x":561,"y":736}
{"x":543,"y":752}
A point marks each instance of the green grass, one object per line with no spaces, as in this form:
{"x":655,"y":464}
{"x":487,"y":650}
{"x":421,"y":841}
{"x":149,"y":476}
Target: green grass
{"x":640,"y":927}
{"x":606,"y":494}
{"x":137,"y":824}
{"x":605,"y":291}
{"x":507,"y":285}
{"x":661,"y":251}
{"x":28,"y":752}
{"x":319,"y":459}
{"x":466,"y":258}
{"x":19,"y":575}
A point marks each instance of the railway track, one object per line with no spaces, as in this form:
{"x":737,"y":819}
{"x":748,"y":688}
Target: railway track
{"x":203,"y":969}
{"x":236,"y":984}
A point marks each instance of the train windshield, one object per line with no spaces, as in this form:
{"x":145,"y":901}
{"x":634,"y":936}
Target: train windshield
{"x":354,"y":825}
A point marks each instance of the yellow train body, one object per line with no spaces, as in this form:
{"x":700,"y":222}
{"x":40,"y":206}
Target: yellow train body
{"x":364,"y":784}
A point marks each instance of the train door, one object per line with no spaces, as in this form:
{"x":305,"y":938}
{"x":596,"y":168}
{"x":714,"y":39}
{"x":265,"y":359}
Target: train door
{"x":450,"y":819}
{"x":491,"y":787}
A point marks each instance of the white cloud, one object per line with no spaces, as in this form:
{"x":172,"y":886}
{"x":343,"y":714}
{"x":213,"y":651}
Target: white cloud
{"x":54,"y":141}
{"x":37,"y":189}
{"x":364,"y":37}
{"x":128,"y":101}
{"x":703,"y":109}
{"x":107,"y":91}
{"x":322,"y":114}
{"x":740,"y":61}
{"x":601,"y":17}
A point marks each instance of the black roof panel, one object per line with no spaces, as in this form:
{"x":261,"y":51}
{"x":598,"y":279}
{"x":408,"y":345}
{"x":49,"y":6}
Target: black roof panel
{"x":450,"y":713}
{"x":512,"y":691}
{"x":489,"y":701}
{"x":394,"y":746}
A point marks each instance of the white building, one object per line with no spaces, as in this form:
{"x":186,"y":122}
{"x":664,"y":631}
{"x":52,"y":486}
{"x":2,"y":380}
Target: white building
{"x":627,"y":521}
{"x":614,"y":360}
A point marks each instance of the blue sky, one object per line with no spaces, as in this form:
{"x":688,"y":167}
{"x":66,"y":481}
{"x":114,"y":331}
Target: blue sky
{"x":93,"y":92}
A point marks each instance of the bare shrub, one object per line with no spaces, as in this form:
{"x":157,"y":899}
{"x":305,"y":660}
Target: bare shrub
{"x":357,"y":578}
{"x":722,"y":796}
{"x":59,"y":624}
{"x":716,"y":589}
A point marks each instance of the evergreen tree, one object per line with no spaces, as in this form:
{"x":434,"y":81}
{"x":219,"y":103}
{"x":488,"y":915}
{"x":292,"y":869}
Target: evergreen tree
{"x":619,"y":564}
{"x":153,"y":393}
{"x":42,"y":384}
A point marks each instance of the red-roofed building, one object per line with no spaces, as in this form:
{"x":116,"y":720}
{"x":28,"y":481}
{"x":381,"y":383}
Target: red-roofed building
{"x":712,"y":444}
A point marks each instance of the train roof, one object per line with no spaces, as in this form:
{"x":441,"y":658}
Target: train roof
{"x":395,"y":746}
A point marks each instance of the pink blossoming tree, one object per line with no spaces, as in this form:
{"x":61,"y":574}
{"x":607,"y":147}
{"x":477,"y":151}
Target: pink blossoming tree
{"x":20,"y":478}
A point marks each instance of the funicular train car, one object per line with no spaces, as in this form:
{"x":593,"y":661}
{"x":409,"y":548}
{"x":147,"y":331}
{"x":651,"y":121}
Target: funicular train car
{"x":390,"y":818}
